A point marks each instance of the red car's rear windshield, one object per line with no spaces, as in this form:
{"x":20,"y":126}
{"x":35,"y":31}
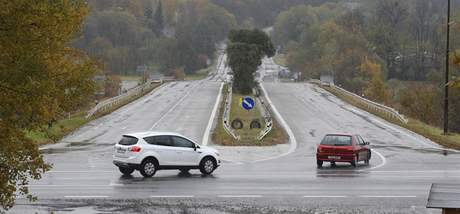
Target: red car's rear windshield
{"x":336,"y":140}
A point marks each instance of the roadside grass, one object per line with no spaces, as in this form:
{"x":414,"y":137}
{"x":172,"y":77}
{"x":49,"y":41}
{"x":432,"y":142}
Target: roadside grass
{"x":67,"y":125}
{"x":248,"y":136}
{"x":59,"y":129}
{"x":431,"y":132}
{"x":131,"y":78}
{"x":280,"y":59}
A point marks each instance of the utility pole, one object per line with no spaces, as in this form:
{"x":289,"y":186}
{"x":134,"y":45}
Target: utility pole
{"x":446,"y":87}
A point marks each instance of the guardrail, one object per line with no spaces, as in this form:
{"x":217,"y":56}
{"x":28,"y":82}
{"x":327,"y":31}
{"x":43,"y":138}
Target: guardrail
{"x":109,"y":103}
{"x":265,"y":110}
{"x":388,"y":111}
{"x":226,"y":116}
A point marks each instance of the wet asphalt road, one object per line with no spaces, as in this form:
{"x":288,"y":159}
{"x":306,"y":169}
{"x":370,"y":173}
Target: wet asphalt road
{"x":398,"y":179}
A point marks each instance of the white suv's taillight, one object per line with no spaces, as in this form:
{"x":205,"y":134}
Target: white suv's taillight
{"x":135,"y":149}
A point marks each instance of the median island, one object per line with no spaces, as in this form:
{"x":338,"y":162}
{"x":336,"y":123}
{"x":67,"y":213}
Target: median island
{"x":244,"y":117}
{"x":247,"y":136}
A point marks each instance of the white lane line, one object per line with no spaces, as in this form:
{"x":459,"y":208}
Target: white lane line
{"x":387,"y":196}
{"x":115,"y":184}
{"x":293,"y":141}
{"x":172,"y":196}
{"x":86,"y":196}
{"x":416,"y":171}
{"x":67,"y":185}
{"x":325,"y":196}
{"x":211,"y":118}
{"x":58,"y":171}
{"x":175,"y":105}
{"x":384,"y":161}
{"x":239,"y":196}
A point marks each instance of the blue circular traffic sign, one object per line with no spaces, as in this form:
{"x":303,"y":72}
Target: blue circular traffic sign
{"x":248,"y":103}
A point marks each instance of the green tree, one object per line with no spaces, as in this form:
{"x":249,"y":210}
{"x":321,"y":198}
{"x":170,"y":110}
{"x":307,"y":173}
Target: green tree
{"x":290,"y":24}
{"x":158,"y":19}
{"x":245,"y":53}
{"x":40,"y":77}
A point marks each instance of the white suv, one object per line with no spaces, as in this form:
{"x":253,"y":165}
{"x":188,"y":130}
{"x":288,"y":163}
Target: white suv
{"x":152,"y":151}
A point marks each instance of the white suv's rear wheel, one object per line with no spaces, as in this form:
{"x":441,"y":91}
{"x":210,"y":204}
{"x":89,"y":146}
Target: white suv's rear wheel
{"x":148,"y":168}
{"x":125,"y":170}
{"x":207,"y":166}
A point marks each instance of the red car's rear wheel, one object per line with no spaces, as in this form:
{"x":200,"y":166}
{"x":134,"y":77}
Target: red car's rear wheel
{"x":319,"y":163}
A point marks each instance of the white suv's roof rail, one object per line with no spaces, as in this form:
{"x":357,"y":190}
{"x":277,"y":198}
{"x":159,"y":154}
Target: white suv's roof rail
{"x":151,"y":133}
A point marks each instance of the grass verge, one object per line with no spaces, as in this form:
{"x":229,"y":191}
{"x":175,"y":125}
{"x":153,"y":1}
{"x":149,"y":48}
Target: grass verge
{"x":131,"y":78}
{"x":431,"y":132}
{"x":67,"y":125}
{"x":248,"y":136}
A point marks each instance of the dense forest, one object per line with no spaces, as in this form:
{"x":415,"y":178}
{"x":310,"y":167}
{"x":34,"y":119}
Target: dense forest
{"x":169,"y":35}
{"x":391,"y":51}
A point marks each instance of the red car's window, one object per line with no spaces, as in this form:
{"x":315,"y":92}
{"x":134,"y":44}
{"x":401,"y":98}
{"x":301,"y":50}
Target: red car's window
{"x":336,"y":140}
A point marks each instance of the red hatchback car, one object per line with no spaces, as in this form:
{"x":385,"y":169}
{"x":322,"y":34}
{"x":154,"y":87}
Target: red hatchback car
{"x":343,"y":148}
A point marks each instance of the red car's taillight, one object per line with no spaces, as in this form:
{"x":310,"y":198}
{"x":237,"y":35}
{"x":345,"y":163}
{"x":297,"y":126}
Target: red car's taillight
{"x":135,"y":149}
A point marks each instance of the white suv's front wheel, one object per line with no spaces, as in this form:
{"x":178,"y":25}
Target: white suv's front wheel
{"x":207,"y":166}
{"x":148,"y":168}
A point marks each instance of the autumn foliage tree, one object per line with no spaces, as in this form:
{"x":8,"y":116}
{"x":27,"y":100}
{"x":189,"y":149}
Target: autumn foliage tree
{"x":375,"y":88}
{"x":40,"y":77}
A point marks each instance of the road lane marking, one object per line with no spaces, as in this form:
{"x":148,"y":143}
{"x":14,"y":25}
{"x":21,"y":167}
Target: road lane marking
{"x":67,"y":185}
{"x":292,"y":139}
{"x":239,"y":196}
{"x":325,"y":196}
{"x":384,"y":161}
{"x":94,"y":171}
{"x":115,"y":184}
{"x":387,"y":196}
{"x":172,"y":196}
{"x":86,"y":196}
{"x":174,"y":106}
{"x":211,"y":118}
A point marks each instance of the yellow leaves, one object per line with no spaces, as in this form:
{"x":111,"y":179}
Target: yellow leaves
{"x":455,"y":83}
{"x":455,"y":59}
{"x":40,"y":76}
{"x":370,"y":68}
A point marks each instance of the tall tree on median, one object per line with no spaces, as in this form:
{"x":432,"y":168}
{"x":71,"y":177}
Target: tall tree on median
{"x":245,"y":53}
{"x":40,"y":77}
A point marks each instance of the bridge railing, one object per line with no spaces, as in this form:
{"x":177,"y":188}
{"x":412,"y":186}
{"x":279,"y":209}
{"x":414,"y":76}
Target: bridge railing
{"x":388,"y":111}
{"x":265,"y":110}
{"x":115,"y":101}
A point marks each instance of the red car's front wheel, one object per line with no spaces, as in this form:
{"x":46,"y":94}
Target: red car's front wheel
{"x":354,"y":163}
